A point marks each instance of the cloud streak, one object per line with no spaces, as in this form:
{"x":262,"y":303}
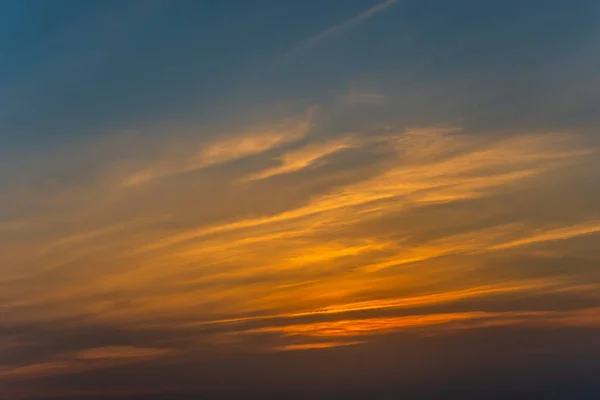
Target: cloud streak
{"x":297,"y":160}
{"x":336,"y":30}
{"x":222,"y":151}
{"x":229,"y":209}
{"x":331,"y":261}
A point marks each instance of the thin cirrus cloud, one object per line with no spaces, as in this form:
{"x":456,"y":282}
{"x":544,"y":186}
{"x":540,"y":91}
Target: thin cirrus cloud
{"x":313,"y":346}
{"x":497,"y":238}
{"x":422,"y":173}
{"x":198,"y":209}
{"x":356,"y":328}
{"x":317,"y":241}
{"x":336,"y":30}
{"x":403,"y":303}
{"x":222,"y":150}
{"x":340,"y":262}
{"x":120,"y":352}
{"x":87,"y":359}
{"x":297,"y":160}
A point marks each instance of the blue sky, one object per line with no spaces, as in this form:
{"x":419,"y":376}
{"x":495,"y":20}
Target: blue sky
{"x":78,"y":69}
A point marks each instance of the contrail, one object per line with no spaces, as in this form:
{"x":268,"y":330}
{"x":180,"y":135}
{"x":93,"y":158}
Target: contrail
{"x":337,"y":29}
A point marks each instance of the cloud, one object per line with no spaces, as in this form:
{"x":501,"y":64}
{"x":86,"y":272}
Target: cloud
{"x":220,"y":151}
{"x":439,"y":323}
{"x":83,"y":360}
{"x":396,"y":235}
{"x":362,"y":327}
{"x":428,"y":168}
{"x":406,"y":302}
{"x":38,"y":370}
{"x":311,"y":242}
{"x":497,"y":238}
{"x":297,"y":160}
{"x":120,"y":353}
{"x":337,"y":29}
{"x":189,"y":254}
{"x":551,"y":235}
{"x":313,"y":346}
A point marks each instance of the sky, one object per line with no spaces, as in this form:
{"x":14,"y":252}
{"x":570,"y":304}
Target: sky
{"x":328,"y":199}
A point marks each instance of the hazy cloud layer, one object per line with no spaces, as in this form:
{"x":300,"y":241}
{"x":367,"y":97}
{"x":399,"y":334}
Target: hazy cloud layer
{"x":366,"y":195}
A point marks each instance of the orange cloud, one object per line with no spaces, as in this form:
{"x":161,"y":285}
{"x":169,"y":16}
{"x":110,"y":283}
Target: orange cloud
{"x":313,"y":346}
{"x":428,"y":323}
{"x":465,"y":171}
{"x":297,"y":160}
{"x":84,"y":360}
{"x":39,"y":370}
{"x":120,"y":352}
{"x":342,"y":246}
{"x":222,"y":151}
{"x":360,"y":327}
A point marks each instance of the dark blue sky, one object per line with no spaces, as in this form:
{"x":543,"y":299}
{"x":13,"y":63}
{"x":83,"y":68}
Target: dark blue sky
{"x":73,"y":69}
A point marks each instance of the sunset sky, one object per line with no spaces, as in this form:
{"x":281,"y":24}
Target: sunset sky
{"x":316,"y":196}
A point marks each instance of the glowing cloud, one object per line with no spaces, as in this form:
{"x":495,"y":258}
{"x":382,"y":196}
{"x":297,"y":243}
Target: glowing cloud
{"x":120,"y":352}
{"x":223,"y":150}
{"x":303,"y":158}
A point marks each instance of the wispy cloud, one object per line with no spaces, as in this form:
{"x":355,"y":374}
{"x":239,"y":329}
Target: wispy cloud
{"x":362,"y":327}
{"x":337,"y":29}
{"x":267,"y":206}
{"x":428,"y":169}
{"x":297,"y":160}
{"x":551,"y":235}
{"x":38,"y":370}
{"x":120,"y":353}
{"x":84,"y":360}
{"x":401,"y":303}
{"x":313,"y":346}
{"x":497,"y":238}
{"x":341,"y":332}
{"x":348,"y":253}
{"x":221,"y":151}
